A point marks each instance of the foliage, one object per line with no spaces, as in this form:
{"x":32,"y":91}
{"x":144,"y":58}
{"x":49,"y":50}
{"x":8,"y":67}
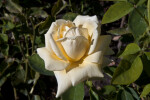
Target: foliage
{"x":23,"y":24}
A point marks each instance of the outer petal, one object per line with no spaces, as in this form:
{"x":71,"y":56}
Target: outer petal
{"x":51,"y":62}
{"x":54,"y":27}
{"x":84,"y":71}
{"x":93,"y":26}
{"x":51,"y":45}
{"x":89,"y":22}
{"x":55,"y":48}
{"x":102,"y":48}
{"x":63,"y":81}
{"x":95,"y":57}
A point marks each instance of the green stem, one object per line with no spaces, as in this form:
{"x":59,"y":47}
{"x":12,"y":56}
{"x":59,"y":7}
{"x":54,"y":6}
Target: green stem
{"x":27,"y":47}
{"x":15,"y":94}
{"x":37,"y":75}
{"x":21,"y":49}
{"x":33,"y":40}
{"x":26,"y":70}
{"x":70,"y":5}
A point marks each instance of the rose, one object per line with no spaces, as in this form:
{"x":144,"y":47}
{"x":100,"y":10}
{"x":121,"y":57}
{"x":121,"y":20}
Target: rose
{"x":75,"y":51}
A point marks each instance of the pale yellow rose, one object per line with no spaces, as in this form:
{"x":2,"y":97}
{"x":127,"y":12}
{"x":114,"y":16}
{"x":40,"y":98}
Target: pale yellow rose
{"x":75,"y":51}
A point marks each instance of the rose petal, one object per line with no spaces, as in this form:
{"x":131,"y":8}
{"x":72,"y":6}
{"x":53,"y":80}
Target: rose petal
{"x":89,"y":22}
{"x":51,"y":62}
{"x":53,"y":28}
{"x":94,"y":41}
{"x":56,"y":48}
{"x":52,"y":35}
{"x":75,"y":48}
{"x":47,"y":44}
{"x":84,"y":71}
{"x":95,"y":57}
{"x":63,"y":81}
{"x":93,"y":26}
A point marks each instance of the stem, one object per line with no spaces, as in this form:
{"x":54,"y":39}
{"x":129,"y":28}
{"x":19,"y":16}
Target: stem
{"x":15,"y":94}
{"x":26,"y":70}
{"x":27,"y":47}
{"x":33,"y":40}
{"x":37,"y":75}
{"x":70,"y":5}
{"x":21,"y":49}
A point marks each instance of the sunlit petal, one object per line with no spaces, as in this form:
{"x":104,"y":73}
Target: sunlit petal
{"x":95,"y":57}
{"x":63,"y":81}
{"x":51,"y":62}
{"x":84,"y":71}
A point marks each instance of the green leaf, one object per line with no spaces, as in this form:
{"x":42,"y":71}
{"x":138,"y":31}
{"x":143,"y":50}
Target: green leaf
{"x":126,"y":73}
{"x":134,"y":94}
{"x":137,"y":23}
{"x":131,"y":48}
{"x":140,"y":2}
{"x":148,"y":55}
{"x":70,"y":16}
{"x":124,"y":95}
{"x":13,"y":7}
{"x":44,"y":26}
{"x":130,"y":57}
{"x":117,"y":11}
{"x":109,"y":70}
{"x":145,"y":91}
{"x":38,"y":12}
{"x":119,"y":31}
{"x":18,"y":77}
{"x":5,"y":49}
{"x":59,"y":6}
{"x":15,"y":49}
{"x":106,"y":90}
{"x":146,"y":63}
{"x":148,"y":8}
{"x":74,"y":93}
{"x":2,"y":80}
{"x":3,"y":38}
{"x":8,"y":26}
{"x":0,"y":3}
{"x":39,"y":40}
{"x":37,"y":64}
{"x":89,"y":84}
{"x":113,"y":0}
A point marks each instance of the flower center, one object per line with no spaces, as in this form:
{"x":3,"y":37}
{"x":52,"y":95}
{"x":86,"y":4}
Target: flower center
{"x":75,"y":42}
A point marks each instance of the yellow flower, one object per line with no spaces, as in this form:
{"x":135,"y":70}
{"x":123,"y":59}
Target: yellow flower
{"x":75,"y":51}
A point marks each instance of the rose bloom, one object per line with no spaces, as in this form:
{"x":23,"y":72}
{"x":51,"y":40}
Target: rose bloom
{"x":75,"y":51}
